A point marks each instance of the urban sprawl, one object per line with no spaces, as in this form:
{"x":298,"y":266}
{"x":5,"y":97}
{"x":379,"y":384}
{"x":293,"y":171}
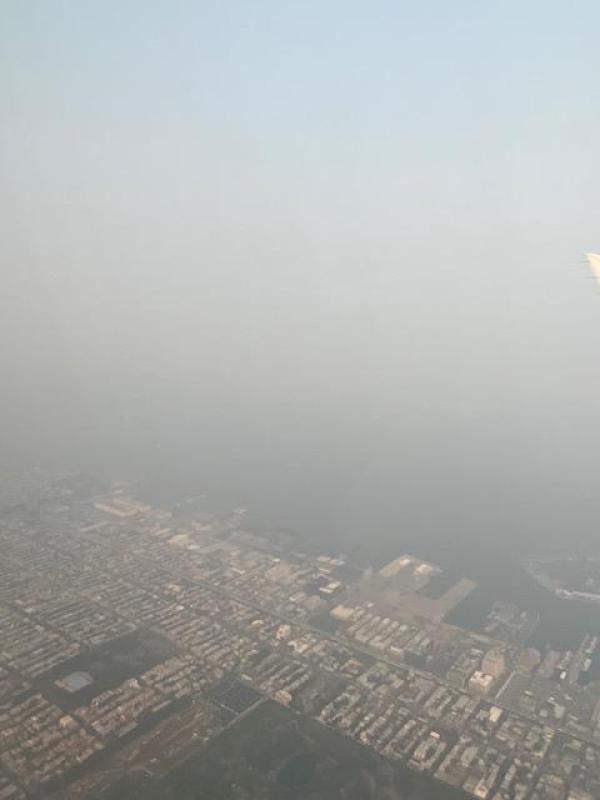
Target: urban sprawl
{"x":130,"y":635}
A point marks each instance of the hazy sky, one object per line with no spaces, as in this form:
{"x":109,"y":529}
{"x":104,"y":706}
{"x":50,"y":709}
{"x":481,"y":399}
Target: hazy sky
{"x":325,"y":233}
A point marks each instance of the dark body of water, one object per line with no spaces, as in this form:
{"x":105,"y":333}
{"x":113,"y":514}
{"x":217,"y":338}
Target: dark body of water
{"x":453,"y":490}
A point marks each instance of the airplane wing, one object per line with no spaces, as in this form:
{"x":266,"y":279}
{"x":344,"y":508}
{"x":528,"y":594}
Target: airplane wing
{"x":593,"y":260}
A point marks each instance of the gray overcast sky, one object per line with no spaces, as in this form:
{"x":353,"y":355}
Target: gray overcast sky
{"x":285,"y":231}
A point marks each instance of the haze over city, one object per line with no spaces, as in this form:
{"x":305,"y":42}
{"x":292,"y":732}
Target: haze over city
{"x":333,"y":246}
{"x":322,"y":261}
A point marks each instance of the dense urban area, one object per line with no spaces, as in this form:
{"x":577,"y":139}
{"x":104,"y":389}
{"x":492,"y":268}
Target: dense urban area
{"x":132,"y":636}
